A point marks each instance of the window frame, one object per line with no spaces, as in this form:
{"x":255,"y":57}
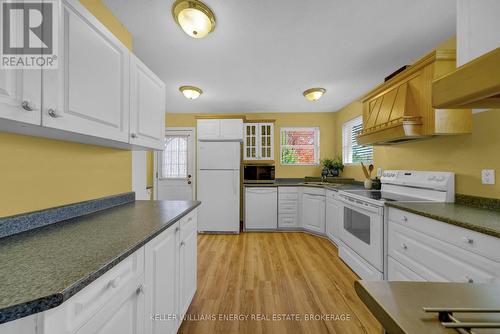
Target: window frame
{"x":161,"y":175}
{"x":316,"y":130}
{"x":349,"y":148}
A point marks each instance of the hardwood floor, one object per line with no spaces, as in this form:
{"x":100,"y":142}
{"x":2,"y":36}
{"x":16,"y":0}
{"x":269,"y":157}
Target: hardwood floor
{"x":266,"y":274}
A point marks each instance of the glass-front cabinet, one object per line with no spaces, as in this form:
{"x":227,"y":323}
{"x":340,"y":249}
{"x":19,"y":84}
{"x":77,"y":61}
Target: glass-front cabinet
{"x":258,"y":143}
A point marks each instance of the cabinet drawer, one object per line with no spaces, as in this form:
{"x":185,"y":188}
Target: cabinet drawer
{"x":398,"y":272}
{"x":436,"y":260}
{"x":288,"y":190}
{"x":313,"y":191}
{"x":188,"y":224}
{"x":287,"y":196}
{"x":287,"y":221}
{"x":86,"y":303}
{"x":287,"y":207}
{"x":476,"y":242}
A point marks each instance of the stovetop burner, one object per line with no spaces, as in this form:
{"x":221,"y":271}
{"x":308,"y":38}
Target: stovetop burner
{"x":386,"y":196}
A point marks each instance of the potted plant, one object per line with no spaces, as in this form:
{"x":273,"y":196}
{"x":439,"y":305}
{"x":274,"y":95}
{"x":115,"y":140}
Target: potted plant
{"x":337,"y":166}
{"x":327,"y":167}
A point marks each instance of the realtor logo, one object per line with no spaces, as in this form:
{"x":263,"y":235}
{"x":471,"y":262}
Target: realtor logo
{"x":29,"y":34}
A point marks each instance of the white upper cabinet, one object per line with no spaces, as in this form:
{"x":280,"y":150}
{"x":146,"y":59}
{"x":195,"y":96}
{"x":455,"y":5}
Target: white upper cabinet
{"x":220,"y":129}
{"x":147,"y":106}
{"x":20,"y":94}
{"x":89,"y":92}
{"x":258,"y":142}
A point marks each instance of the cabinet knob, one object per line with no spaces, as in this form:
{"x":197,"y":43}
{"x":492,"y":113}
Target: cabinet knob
{"x":468,"y":240}
{"x":182,"y":243}
{"x":404,"y":219}
{"x":53,"y":113}
{"x":468,"y":279}
{"x":177,"y":229}
{"x":140,"y":289}
{"x":189,"y":182}
{"x":404,"y":246}
{"x":114,"y":283}
{"x":28,"y":106}
{"x":133,"y":135}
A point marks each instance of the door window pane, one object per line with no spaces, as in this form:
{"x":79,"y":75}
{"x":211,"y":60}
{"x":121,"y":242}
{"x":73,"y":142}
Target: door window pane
{"x":175,"y":158}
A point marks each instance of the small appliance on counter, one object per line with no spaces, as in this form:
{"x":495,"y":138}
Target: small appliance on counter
{"x":258,"y":174}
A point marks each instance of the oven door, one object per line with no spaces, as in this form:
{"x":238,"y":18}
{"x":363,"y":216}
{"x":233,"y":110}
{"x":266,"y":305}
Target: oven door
{"x":361,"y":230}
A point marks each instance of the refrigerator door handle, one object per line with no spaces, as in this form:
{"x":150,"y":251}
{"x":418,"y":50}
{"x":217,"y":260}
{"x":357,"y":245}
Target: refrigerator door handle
{"x":234,"y":181}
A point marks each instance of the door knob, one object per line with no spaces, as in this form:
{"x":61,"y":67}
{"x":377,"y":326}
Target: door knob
{"x":189,"y":176}
{"x":189,"y":182}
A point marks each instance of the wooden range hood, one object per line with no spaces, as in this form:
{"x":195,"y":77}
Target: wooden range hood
{"x":473,"y":85}
{"x":400,"y":109}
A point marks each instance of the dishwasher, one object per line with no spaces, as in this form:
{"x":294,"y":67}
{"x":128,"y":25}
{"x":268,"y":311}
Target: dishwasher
{"x":261,"y":208}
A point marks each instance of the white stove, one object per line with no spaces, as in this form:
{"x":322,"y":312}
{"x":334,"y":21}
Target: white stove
{"x":362,"y":228}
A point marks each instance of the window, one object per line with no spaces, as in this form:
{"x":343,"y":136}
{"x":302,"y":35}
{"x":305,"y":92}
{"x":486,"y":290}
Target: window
{"x":299,"y":146}
{"x":352,"y":153}
{"x":175,"y":157}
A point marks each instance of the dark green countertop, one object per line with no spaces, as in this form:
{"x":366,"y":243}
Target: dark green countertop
{"x":398,"y":305}
{"x":333,"y":184}
{"x":482,"y":220}
{"x":42,"y":268}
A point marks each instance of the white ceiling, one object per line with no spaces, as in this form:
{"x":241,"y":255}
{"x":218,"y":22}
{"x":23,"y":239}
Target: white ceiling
{"x":264,"y":53}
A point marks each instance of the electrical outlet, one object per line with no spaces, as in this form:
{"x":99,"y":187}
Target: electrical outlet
{"x":488,"y":176}
{"x":379,"y":172}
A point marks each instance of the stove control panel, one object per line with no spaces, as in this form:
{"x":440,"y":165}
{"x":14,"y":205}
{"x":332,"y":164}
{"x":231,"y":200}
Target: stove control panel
{"x":424,"y":179}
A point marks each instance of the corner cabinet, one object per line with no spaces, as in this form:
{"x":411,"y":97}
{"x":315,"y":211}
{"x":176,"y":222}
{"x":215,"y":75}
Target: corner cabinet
{"x":313,"y":210}
{"x":258,"y":142}
{"x":100,"y":94}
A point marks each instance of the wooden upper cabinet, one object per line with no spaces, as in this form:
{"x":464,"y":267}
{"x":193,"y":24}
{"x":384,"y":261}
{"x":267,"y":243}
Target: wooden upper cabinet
{"x":400,"y":109}
{"x":147,"y":106}
{"x":89,"y":92}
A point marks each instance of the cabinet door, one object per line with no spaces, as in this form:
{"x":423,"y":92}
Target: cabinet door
{"x":261,"y":208}
{"x":266,"y":141}
{"x":333,"y":220}
{"x":208,"y":129}
{"x":20,"y":95}
{"x":124,"y":315}
{"x":250,"y":142}
{"x":231,"y":129}
{"x":89,"y":92}
{"x":313,"y":213}
{"x":188,"y":264}
{"x":162,"y":270}
{"x":147,"y":106}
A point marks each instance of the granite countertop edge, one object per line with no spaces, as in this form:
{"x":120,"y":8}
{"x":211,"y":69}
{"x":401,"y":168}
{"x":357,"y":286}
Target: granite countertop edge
{"x":48,"y":302}
{"x":451,"y":221}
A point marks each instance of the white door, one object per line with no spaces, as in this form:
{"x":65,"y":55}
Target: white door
{"x":188,"y":264}
{"x":231,"y":129}
{"x":208,"y":129}
{"x":20,"y":95}
{"x":175,"y":166}
{"x":162,"y":281}
{"x":218,"y":155}
{"x":147,"y":106}
{"x":313,"y":212}
{"x":333,"y":220}
{"x":261,"y":208}
{"x":89,"y":92}
{"x":139,"y":175}
{"x":219,"y":191}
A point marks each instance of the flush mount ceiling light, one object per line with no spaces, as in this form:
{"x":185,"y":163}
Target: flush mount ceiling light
{"x":314,"y":94}
{"x":190,"y":92}
{"x":194,"y":17}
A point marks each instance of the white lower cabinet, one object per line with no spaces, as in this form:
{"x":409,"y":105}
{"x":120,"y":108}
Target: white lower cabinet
{"x":333,"y":216}
{"x":420,"y":248}
{"x":288,"y":207}
{"x":148,"y":292}
{"x":261,"y":208}
{"x":313,"y":210}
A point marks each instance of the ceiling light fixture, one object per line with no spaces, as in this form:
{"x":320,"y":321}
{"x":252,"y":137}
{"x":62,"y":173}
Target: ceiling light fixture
{"x":194,"y":17}
{"x":314,"y":94}
{"x":190,"y":92}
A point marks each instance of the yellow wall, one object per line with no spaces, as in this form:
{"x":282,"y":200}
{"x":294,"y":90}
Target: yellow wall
{"x":37,"y":173}
{"x":324,"y":120}
{"x":466,"y":155}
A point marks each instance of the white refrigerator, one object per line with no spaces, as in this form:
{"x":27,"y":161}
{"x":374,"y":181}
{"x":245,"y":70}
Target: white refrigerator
{"x":219,"y":187}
